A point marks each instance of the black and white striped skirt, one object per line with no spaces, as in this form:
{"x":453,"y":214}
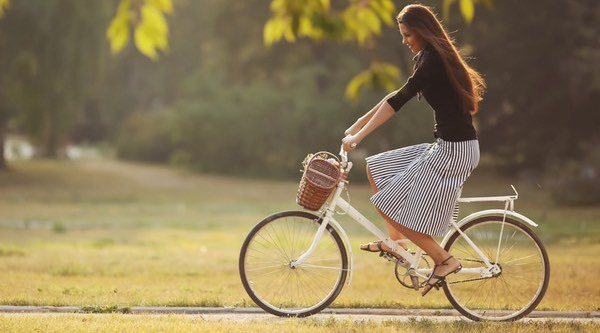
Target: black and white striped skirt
{"x":419,"y":185}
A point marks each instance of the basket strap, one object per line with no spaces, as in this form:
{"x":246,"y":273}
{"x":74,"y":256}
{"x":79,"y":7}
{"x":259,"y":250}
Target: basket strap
{"x":326,"y":153}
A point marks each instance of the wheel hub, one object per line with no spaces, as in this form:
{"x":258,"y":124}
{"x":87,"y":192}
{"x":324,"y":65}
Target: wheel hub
{"x":496,"y":270}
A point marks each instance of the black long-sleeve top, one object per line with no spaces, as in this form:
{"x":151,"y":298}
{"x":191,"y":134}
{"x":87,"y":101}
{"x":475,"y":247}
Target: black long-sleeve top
{"x":431,"y":79}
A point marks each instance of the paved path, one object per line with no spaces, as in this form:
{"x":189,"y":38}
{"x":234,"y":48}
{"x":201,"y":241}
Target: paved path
{"x":247,"y":314}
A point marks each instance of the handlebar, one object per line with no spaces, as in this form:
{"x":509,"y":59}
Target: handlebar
{"x":346,"y":166}
{"x":343,"y":154}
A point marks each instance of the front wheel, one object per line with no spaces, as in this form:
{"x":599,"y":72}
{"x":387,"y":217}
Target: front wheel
{"x":277,"y":287}
{"x":520,"y":281}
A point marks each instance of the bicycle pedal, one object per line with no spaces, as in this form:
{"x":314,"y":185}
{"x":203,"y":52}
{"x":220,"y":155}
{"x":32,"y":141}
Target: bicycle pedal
{"x":388,"y":256}
{"x":415,"y":282}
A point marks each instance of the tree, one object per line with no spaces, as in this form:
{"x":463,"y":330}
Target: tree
{"x":49,"y":57}
{"x":50,"y":52}
{"x":544,"y":80}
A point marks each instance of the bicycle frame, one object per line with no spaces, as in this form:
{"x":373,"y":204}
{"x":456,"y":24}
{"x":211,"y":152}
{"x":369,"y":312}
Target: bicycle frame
{"x":338,"y":202}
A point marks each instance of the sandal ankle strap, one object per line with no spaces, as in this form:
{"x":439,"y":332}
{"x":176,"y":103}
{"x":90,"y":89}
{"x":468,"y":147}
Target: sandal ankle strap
{"x":444,"y":262}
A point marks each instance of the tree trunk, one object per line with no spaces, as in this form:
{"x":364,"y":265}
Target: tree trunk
{"x":51,"y":144}
{"x":4,"y":116}
{"x":50,"y":147}
{"x":3,"y":165}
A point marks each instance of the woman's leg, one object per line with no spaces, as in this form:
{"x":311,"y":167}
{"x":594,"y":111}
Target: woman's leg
{"x":424,"y":241}
{"x":432,"y":248}
{"x":393,"y":232}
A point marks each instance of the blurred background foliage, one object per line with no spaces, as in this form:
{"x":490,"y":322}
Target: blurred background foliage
{"x":248,"y":88}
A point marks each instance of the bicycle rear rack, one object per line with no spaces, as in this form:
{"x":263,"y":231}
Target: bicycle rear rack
{"x":508,"y":199}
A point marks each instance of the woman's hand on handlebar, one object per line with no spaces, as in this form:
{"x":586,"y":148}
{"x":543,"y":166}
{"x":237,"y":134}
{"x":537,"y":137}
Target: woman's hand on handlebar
{"x":350,"y":142}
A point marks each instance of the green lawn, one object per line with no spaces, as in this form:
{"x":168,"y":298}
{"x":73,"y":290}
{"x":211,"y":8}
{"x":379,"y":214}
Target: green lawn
{"x":106,"y":233}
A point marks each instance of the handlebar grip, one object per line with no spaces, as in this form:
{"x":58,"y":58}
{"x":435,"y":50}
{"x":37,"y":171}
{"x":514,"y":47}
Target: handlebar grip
{"x":343,"y":154}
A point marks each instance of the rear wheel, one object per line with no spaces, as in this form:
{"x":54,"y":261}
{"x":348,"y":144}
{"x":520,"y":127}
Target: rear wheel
{"x":521,"y":282}
{"x":283,"y":290}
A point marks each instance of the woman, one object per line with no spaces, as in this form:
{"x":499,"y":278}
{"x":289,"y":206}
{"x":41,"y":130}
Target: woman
{"x":417,"y":187}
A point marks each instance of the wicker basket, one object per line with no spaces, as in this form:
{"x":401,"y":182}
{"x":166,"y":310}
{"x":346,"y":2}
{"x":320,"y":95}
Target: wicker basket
{"x":319,"y":179}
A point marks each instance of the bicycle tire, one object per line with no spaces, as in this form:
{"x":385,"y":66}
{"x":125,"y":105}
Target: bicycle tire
{"x":291,"y":311}
{"x":482,"y":314}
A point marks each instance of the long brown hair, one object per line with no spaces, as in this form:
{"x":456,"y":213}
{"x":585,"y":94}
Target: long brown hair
{"x":467,"y":82}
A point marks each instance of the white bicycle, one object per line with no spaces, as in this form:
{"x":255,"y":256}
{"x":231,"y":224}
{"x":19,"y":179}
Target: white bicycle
{"x":295,"y":263}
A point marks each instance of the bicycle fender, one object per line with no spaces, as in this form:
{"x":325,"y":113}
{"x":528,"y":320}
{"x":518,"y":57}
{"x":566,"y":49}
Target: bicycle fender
{"x":489,"y":212}
{"x":336,"y":225}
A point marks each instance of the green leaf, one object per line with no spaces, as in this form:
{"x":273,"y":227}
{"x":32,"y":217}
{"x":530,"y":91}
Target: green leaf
{"x":388,"y":5}
{"x":370,"y":20}
{"x":273,"y":31}
{"x":144,"y":42}
{"x":155,"y":20}
{"x":379,"y":74}
{"x":278,"y":7}
{"x":288,"y":33}
{"x":118,"y":34}
{"x":361,"y":23}
{"x":385,"y":10}
{"x":118,"y":30}
{"x":305,"y":27}
{"x":151,"y":34}
{"x":4,"y":4}
{"x":467,"y":9}
{"x":357,"y":83}
{"x":386,"y":75}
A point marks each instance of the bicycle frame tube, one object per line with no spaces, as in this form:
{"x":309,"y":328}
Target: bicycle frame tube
{"x":338,"y":201}
{"x":483,"y":257}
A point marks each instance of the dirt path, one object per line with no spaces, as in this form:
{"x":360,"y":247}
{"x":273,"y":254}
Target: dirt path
{"x":256,"y":314}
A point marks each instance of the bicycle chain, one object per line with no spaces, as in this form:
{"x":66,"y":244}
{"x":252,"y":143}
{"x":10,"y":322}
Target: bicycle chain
{"x":473,"y":260}
{"x":470,"y":280}
{"x":474,"y":279}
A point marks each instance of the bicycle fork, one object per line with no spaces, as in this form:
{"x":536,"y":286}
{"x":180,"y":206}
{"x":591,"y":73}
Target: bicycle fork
{"x":315,"y":241}
{"x":327,"y":219}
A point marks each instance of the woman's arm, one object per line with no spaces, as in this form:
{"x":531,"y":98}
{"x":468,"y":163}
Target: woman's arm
{"x":362,"y":121}
{"x":382,"y":115}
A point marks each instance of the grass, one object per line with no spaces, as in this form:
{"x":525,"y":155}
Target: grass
{"x":196,"y":323}
{"x":108,"y":234}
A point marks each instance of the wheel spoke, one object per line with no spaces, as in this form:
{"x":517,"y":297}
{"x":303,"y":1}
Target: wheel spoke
{"x":522,"y":280}
{"x":273,"y":283}
{"x":321,"y":267}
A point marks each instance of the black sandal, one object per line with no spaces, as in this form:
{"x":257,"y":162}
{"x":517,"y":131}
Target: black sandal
{"x":441,"y":278}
